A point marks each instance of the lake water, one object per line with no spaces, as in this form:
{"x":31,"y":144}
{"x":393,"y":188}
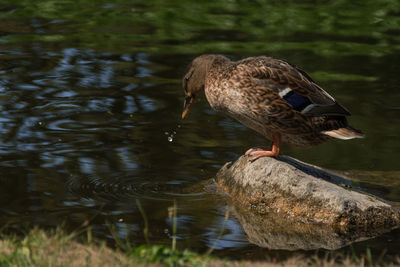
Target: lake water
{"x":91,"y":99}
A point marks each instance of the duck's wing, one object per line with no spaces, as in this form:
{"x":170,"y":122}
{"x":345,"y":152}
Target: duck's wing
{"x":294,"y":86}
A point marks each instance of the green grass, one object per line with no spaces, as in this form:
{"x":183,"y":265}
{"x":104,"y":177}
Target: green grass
{"x":58,"y":248}
{"x":168,"y":256}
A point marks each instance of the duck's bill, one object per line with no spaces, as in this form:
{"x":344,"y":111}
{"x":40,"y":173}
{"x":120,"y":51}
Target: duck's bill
{"x":187,"y":105}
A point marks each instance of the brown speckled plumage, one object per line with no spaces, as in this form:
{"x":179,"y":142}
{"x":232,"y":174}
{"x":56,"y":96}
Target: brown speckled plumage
{"x":269,"y":96}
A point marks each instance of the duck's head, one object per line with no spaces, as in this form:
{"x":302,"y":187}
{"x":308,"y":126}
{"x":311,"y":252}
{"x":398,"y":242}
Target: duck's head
{"x":194,"y":80}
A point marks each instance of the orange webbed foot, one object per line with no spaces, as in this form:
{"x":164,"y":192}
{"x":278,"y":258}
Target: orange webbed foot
{"x":257,"y":152}
{"x":248,"y":152}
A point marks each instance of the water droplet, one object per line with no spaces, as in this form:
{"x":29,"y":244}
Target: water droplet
{"x":40,"y":123}
{"x":179,"y":126}
{"x":120,"y":220}
{"x":170,"y":138}
{"x":166,"y":133}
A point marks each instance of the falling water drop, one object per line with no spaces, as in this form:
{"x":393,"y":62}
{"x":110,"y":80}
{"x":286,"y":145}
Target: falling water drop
{"x":171,"y":134}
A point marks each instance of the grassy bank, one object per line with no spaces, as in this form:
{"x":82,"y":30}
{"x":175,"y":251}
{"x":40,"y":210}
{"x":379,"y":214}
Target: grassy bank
{"x":56,"y":248}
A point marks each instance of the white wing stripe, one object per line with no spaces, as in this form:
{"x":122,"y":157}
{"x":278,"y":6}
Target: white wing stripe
{"x":284,"y":92}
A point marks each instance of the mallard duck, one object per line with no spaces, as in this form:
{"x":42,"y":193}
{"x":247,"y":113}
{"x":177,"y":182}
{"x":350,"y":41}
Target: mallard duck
{"x":271,"y":96}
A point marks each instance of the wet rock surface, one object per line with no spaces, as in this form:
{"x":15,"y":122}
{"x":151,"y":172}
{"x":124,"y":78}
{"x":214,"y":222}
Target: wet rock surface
{"x":304,"y":193}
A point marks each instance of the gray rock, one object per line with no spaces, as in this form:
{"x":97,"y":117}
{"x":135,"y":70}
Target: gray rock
{"x":305,"y":193}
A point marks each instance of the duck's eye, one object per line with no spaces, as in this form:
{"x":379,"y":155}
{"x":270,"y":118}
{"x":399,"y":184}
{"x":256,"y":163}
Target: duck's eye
{"x":186,"y":83}
{"x":189,"y":76}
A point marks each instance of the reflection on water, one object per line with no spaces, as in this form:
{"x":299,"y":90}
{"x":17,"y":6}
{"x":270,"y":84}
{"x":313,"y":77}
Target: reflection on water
{"x":90,"y":102}
{"x":274,"y":231}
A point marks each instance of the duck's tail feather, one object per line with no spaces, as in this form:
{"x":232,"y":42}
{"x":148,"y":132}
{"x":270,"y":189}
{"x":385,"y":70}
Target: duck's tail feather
{"x":345,"y":133}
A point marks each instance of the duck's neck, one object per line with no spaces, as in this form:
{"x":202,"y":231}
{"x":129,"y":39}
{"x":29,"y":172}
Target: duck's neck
{"x":213,"y":88}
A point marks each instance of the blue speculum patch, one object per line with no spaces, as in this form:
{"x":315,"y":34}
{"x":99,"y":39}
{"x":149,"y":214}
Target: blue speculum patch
{"x":298,"y":102}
